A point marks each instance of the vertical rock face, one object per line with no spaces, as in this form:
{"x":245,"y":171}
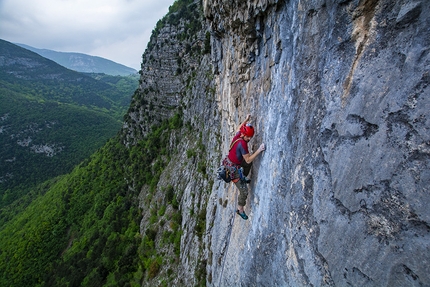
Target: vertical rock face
{"x":339,"y":92}
{"x":171,"y":66}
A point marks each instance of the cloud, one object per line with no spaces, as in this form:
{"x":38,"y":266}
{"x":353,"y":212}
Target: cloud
{"x":118,"y":30}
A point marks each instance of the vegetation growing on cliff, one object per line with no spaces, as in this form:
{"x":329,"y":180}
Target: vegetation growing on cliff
{"x":179,"y":11}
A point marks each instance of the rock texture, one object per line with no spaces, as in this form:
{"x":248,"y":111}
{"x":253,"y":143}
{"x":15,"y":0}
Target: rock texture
{"x":339,"y":92}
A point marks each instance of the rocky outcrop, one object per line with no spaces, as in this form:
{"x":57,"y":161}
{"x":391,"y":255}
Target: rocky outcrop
{"x":170,"y":67}
{"x":338,"y":91}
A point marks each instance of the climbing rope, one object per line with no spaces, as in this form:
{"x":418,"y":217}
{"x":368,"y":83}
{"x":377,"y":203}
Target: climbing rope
{"x":228,"y":242}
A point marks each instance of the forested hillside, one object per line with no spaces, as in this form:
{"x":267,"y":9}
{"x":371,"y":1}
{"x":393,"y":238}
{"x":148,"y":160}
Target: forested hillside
{"x":84,"y":230}
{"x":51,"y":118}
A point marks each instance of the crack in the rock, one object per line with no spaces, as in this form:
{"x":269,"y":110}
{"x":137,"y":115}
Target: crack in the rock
{"x":363,"y":27}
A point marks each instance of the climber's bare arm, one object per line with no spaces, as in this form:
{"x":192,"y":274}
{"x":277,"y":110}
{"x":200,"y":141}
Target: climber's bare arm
{"x":250,"y":157}
{"x":243,"y":123}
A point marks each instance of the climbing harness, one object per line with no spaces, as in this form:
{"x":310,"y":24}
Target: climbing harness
{"x":228,"y":170}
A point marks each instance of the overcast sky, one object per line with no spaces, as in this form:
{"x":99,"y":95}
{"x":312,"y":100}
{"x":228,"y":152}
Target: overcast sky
{"x":118,"y":30}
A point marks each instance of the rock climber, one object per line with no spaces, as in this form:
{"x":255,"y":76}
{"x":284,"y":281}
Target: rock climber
{"x":240,"y":157}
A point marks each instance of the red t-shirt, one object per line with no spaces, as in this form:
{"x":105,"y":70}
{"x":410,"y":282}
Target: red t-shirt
{"x":239,"y":149}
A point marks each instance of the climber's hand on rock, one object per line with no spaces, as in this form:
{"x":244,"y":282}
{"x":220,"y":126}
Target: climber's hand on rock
{"x":262,"y":147}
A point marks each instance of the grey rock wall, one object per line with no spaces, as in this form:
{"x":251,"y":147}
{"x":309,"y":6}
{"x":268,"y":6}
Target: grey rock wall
{"x":339,"y":92}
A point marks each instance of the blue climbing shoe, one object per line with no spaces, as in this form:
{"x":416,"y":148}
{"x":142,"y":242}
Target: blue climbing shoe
{"x":243,"y":215}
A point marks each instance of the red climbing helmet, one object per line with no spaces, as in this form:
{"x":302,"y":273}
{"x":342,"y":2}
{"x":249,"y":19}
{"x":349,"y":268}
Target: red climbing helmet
{"x":247,"y":130}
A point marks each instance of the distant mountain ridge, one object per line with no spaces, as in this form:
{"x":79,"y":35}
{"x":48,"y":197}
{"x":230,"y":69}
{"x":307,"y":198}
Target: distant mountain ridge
{"x":82,"y":62}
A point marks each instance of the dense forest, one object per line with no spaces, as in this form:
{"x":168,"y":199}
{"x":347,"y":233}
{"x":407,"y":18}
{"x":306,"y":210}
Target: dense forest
{"x":92,"y":208}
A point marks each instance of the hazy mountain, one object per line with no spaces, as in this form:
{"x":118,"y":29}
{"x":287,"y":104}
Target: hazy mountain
{"x":83,"y":63}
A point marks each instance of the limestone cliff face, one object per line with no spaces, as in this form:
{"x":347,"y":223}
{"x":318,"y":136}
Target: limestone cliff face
{"x":339,"y":93}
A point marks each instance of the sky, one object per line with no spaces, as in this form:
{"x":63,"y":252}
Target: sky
{"x":118,"y":30}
